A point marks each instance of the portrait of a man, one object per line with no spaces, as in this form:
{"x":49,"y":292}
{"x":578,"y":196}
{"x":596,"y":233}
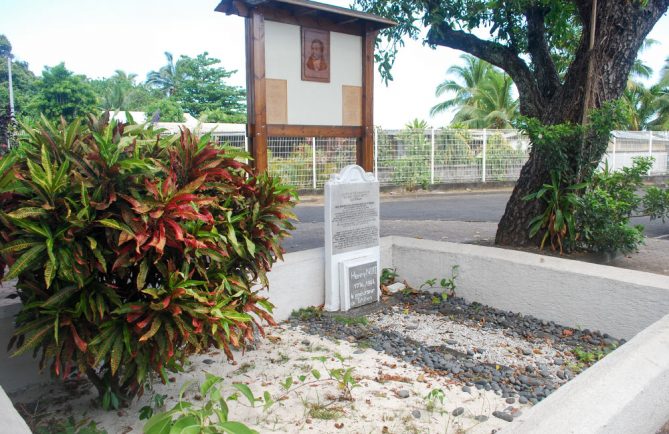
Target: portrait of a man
{"x":315,"y":55}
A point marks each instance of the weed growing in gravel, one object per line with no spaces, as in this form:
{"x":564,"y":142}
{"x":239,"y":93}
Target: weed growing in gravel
{"x":244,"y":368}
{"x":213,"y":414}
{"x":446,"y":285}
{"x":325,"y":412}
{"x":436,"y":396}
{"x":307,"y":313}
{"x":388,"y":276}
{"x":351,"y":320}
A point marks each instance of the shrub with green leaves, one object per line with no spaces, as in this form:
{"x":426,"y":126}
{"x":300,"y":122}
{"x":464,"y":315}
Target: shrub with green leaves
{"x":606,"y":207}
{"x":132,"y":250}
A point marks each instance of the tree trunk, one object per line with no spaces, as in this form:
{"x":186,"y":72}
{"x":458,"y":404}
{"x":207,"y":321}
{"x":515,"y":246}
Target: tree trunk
{"x":620,"y":31}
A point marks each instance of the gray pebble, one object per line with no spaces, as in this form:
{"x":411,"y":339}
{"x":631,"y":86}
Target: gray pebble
{"x":466,"y":389}
{"x":458,"y":411}
{"x":358,"y":351}
{"x":510,"y":400}
{"x":522,"y":400}
{"x":208,"y":361}
{"x":481,"y":418}
{"x":502,"y":415}
{"x":415,"y":414}
{"x":403,"y":394}
{"x":558,"y":361}
{"x":306,"y":342}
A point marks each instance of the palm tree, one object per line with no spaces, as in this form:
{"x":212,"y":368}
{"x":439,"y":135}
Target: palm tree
{"x":483,"y":95}
{"x":166,"y":77}
{"x":119,"y":93}
{"x":469,"y":77}
{"x":492,"y":105}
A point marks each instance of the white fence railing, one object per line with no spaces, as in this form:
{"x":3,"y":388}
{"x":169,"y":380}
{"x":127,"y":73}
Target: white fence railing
{"x":416,"y":157}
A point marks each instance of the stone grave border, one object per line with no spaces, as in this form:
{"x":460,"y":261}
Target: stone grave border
{"x":628,"y":391}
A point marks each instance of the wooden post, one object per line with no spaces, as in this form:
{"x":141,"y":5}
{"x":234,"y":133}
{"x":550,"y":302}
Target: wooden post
{"x":256,"y":109}
{"x":365,"y":148}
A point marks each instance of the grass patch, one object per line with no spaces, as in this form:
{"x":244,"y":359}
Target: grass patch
{"x":351,"y":320}
{"x":325,"y":412}
{"x":307,"y":313}
{"x":244,"y":368}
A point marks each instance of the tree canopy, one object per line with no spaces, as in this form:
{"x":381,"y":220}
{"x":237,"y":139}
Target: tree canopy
{"x":565,"y":57}
{"x":59,"y":92}
{"x":196,"y":85}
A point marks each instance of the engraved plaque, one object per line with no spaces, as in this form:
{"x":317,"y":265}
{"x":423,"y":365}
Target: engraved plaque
{"x":363,"y":285}
{"x":355,"y":217}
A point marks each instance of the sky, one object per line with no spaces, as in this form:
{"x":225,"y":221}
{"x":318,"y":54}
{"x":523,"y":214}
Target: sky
{"x":96,"y":38}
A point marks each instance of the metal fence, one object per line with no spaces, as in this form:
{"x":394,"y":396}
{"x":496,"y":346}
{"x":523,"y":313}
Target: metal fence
{"x":417,"y":158}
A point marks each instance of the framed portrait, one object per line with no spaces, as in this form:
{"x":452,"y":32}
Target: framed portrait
{"x":315,"y":55}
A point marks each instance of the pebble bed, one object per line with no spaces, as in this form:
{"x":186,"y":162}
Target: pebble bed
{"x":518,"y":357}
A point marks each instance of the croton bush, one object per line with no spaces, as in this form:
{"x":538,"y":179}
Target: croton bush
{"x":132,"y":251}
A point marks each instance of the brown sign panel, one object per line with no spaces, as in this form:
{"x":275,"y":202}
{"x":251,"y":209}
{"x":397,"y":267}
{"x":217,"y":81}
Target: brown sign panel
{"x":315,"y":55}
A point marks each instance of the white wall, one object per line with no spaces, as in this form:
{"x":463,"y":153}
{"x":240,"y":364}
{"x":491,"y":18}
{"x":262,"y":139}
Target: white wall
{"x":312,"y":103}
{"x":612,"y":300}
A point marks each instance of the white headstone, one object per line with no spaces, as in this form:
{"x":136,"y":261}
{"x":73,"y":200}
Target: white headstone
{"x":352,"y":254}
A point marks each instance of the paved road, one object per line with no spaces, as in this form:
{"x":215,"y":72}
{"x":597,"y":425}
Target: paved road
{"x":449,"y":216}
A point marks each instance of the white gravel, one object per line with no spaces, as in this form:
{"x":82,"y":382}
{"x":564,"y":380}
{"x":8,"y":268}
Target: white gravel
{"x":491,"y":346}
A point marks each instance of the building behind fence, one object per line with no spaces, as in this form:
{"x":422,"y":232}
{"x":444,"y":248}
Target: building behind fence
{"x":413,"y":158}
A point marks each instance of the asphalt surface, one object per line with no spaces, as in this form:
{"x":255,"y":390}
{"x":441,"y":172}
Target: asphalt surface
{"x":458,"y":217}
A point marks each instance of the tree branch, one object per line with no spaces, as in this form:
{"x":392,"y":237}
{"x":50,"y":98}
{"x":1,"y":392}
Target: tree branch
{"x":545,"y":72}
{"x":531,"y":99}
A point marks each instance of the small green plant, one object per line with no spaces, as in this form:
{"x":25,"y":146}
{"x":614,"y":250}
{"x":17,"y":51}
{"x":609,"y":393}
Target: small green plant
{"x":446,"y":285}
{"x":433,"y":397}
{"x":158,"y":401}
{"x":388,"y":276}
{"x":211,"y":417}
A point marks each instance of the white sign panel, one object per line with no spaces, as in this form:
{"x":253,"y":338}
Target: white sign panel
{"x":352,"y":254}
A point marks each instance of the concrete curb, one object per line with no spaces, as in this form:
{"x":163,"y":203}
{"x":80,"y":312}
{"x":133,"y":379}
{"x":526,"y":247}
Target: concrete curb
{"x":12,"y":422}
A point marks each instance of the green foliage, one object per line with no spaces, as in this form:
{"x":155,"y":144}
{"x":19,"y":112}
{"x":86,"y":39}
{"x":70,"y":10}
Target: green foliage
{"x":482,"y":95}
{"x":59,"y":92}
{"x":120,"y":92}
{"x":574,"y":151}
{"x":500,"y":156}
{"x":133,"y":251}
{"x":504,"y":21}
{"x":307,"y":313}
{"x":70,"y":426}
{"x":351,"y":320}
{"x":411,"y":167}
{"x":557,"y":222}
{"x":211,"y":417}
{"x":388,"y":276}
{"x":606,"y":207}
{"x":446,"y":285}
{"x":655,"y":203}
{"x":23,"y":83}
{"x":214,"y":415}
{"x":597,"y":218}
{"x":168,"y":109}
{"x":199,"y":87}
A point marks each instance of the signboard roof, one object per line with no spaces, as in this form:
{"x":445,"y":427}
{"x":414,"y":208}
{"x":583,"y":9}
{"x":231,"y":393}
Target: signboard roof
{"x":306,"y":7}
